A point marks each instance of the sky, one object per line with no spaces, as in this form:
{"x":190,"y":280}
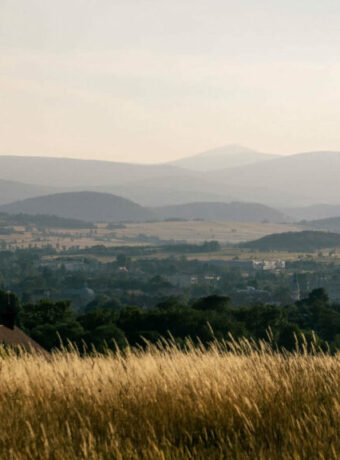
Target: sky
{"x":156,"y":80}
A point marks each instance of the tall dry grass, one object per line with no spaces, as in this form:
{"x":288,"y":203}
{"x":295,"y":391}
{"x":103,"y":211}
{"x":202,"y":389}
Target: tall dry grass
{"x":247,"y":403}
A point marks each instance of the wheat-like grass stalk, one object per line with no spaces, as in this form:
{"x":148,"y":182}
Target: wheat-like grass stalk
{"x":236,"y":400}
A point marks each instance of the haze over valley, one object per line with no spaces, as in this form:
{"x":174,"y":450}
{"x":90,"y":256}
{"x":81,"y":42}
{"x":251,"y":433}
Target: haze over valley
{"x":169,"y":230}
{"x":305,"y":183}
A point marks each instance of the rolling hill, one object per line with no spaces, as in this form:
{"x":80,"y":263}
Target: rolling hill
{"x":86,"y":206}
{"x":304,"y":241}
{"x":228,"y":156}
{"x":223,"y":212}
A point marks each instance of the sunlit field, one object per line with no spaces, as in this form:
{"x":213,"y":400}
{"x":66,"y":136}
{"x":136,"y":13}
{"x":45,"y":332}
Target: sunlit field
{"x":163,"y":403}
{"x":189,"y":231}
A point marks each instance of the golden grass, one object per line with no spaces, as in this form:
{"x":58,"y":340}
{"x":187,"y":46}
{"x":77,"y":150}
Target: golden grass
{"x":169,"y":404}
{"x":190,"y":231}
{"x":200,"y":231}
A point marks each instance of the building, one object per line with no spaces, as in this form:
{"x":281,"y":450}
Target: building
{"x":269,"y":265}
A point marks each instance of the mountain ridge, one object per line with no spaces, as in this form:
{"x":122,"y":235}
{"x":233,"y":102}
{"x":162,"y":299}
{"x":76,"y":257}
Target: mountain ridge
{"x":296,"y":180}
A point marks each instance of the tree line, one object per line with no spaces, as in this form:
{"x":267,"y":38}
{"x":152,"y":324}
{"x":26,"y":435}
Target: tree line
{"x":109,"y":324}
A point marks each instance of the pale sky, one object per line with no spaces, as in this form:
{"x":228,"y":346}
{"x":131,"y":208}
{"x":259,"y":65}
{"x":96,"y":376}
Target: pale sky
{"x":156,"y":80}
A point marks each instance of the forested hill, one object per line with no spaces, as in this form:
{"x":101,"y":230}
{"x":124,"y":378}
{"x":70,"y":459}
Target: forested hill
{"x":86,"y":206}
{"x":235,"y":211}
{"x":305,"y":241}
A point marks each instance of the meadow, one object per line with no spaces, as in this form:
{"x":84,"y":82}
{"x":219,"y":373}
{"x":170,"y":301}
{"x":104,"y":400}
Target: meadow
{"x":136,"y":234}
{"x":230,"y":401}
{"x":199,"y":231}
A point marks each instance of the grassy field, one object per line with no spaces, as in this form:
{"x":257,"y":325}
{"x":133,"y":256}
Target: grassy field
{"x":132,"y":234}
{"x":171,"y":404}
{"x":199,"y":231}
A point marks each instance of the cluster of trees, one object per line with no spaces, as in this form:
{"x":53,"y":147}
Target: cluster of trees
{"x":185,"y":248}
{"x":102,"y":324}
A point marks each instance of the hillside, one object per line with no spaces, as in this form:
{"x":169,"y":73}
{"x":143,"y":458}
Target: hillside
{"x":307,"y":178}
{"x":223,"y":212}
{"x":332,"y":224}
{"x":12,"y":191}
{"x":305,"y":241}
{"x":228,"y":156}
{"x":86,"y":206}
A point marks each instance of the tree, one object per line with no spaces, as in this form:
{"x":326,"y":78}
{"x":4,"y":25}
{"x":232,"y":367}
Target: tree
{"x":318,"y":296}
{"x":46,"y":312}
{"x":212,"y":302}
{"x":9,"y":308}
{"x":288,"y":335}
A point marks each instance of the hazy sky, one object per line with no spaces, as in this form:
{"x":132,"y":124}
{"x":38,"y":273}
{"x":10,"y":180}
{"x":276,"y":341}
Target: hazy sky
{"x":155,"y":80}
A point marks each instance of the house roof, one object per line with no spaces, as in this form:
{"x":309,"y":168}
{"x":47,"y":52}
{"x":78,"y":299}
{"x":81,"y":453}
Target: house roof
{"x":17,"y":338}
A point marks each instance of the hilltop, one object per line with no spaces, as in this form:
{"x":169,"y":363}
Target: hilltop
{"x":228,"y":156}
{"x":86,"y":206}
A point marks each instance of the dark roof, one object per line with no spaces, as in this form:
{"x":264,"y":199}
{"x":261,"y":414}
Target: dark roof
{"x":17,"y":338}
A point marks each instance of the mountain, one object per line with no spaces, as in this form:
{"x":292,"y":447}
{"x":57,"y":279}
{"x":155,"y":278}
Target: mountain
{"x":332,"y":224}
{"x":67,"y":172}
{"x":305,"y":241}
{"x":291,"y":181}
{"x":228,"y":156}
{"x":86,"y":206}
{"x":12,"y":191}
{"x":234,"y":212}
{"x":302,"y":179}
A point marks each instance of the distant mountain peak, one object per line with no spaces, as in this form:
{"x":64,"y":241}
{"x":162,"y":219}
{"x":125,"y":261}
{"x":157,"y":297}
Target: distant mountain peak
{"x":227,"y":156}
{"x":229,"y":149}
